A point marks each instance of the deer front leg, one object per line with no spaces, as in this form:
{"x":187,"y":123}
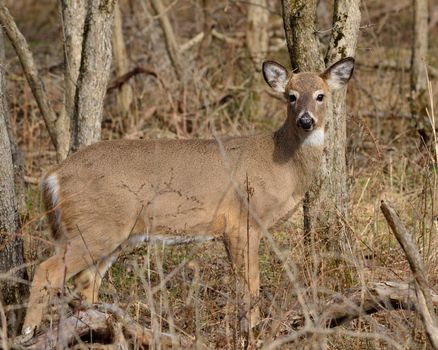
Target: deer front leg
{"x":49,"y":278}
{"x":87,"y":283}
{"x":243,"y":246}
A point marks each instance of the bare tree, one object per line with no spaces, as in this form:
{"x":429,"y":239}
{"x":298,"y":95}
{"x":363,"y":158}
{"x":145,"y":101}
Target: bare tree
{"x":11,"y":245}
{"x":73,"y":21}
{"x":328,"y":196}
{"x":87,"y":29}
{"x":418,"y":65}
{"x":93,"y":73}
{"x":21,"y":47}
{"x":257,"y":42}
{"x":257,"y":36}
{"x":121,"y":63}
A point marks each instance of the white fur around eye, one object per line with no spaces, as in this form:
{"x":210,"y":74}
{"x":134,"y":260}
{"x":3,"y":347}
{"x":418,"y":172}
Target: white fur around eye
{"x":317,"y":93}
{"x":294,"y":93}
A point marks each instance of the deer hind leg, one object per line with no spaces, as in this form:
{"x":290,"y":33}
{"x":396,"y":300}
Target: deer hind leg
{"x":87,"y":282}
{"x":49,"y":277}
{"x":242,"y":247}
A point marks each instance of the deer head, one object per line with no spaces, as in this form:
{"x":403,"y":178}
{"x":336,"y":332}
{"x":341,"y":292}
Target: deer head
{"x":306,"y":92}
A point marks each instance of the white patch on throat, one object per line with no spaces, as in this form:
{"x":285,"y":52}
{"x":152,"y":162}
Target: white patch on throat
{"x":315,"y":138}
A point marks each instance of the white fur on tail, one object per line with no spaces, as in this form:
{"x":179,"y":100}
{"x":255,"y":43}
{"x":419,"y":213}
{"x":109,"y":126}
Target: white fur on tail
{"x":52,"y":186}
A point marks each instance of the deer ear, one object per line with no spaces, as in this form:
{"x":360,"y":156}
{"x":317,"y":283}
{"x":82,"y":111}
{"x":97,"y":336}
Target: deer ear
{"x":275,"y":75}
{"x":339,"y":73}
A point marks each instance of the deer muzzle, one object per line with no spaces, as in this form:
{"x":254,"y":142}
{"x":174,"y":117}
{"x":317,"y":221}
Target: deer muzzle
{"x":306,"y":122}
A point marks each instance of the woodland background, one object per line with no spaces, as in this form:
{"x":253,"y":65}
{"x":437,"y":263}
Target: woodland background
{"x":213,"y":84}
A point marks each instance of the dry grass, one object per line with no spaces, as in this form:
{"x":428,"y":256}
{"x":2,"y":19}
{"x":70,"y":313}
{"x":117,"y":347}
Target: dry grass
{"x":385,"y":161}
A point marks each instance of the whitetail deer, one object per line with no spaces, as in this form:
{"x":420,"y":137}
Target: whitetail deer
{"x":114,"y":193}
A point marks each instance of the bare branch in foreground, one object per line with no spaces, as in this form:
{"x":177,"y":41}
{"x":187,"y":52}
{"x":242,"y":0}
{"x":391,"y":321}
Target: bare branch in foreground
{"x":424,"y":298}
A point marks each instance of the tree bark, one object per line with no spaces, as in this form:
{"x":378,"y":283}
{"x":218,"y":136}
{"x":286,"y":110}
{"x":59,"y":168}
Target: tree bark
{"x":17,"y":161}
{"x":299,"y":18}
{"x":73,"y":14}
{"x":11,"y":245}
{"x":93,"y":74}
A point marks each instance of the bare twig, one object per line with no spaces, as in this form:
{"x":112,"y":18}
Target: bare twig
{"x":192,"y":42}
{"x":424,"y":298}
{"x":31,"y":180}
{"x":226,"y":38}
{"x":120,"y":81}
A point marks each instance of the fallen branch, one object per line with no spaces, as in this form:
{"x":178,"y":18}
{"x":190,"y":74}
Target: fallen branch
{"x":361,"y":301}
{"x":423,"y":293}
{"x":105,"y":322}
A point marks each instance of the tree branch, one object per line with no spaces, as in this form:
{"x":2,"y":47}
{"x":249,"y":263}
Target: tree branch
{"x":424,"y":298}
{"x":29,"y":67}
{"x":169,"y":35}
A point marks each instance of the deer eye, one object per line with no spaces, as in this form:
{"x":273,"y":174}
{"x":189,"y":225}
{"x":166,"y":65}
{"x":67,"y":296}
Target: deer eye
{"x":292,"y":98}
{"x":320,"y":97}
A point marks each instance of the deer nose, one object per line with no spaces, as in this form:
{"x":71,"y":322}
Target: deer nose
{"x":306,"y":122}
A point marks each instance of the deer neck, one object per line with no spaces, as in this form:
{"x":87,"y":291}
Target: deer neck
{"x":298,"y":152}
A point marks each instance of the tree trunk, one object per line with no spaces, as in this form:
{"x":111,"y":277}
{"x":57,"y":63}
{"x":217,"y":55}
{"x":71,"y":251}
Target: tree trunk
{"x":18,"y":162}
{"x":418,"y":98}
{"x":73,"y":14}
{"x":124,"y":97}
{"x":257,"y":31}
{"x":299,"y":18}
{"x":325,"y":204}
{"x":93,"y":74}
{"x":333,"y":196}
{"x":11,"y":245}
{"x":257,"y":42}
